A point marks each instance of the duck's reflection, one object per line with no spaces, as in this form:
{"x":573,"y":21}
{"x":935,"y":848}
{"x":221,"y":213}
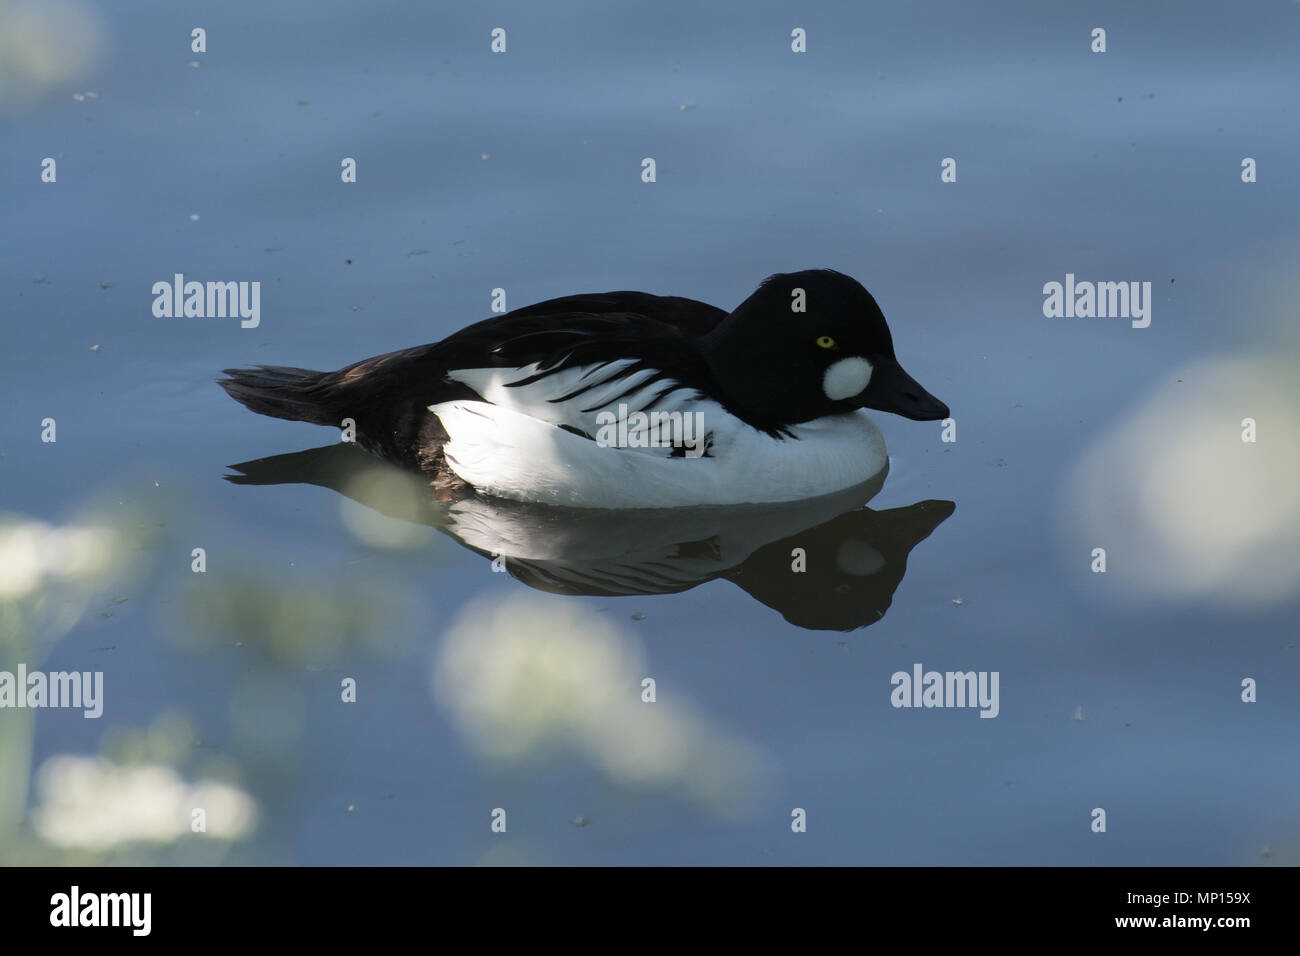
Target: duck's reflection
{"x":828,"y":563}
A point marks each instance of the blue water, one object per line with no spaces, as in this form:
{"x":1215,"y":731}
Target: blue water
{"x":522,"y":171}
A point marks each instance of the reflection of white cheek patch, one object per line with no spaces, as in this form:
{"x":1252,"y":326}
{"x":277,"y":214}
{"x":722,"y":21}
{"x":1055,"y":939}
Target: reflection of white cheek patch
{"x":846,"y":378}
{"x":858,"y":558}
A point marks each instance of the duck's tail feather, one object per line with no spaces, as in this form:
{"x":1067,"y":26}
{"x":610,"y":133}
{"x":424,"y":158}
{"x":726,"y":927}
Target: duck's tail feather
{"x":296,"y":394}
{"x":382,"y":401}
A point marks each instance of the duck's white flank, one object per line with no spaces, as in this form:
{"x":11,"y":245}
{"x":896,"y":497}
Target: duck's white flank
{"x":511,"y":446}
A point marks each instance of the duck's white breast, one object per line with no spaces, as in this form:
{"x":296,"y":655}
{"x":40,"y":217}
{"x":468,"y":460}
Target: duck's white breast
{"x":512,"y":446}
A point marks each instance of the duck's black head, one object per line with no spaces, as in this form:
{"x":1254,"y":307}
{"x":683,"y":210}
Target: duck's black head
{"x":809,"y":344}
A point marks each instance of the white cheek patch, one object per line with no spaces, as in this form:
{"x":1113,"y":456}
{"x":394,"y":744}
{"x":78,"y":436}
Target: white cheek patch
{"x":846,"y":378}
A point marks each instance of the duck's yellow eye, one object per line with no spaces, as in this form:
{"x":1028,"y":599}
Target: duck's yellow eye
{"x":825,"y":342}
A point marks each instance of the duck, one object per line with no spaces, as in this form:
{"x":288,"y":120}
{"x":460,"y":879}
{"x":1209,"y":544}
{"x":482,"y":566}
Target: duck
{"x":628,"y":400}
